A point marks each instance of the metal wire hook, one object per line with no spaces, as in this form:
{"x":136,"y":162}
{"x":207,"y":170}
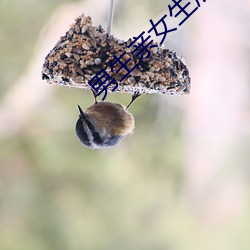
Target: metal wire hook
{"x":110,"y":16}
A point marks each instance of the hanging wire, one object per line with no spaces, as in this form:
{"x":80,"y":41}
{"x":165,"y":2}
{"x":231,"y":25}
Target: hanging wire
{"x":110,"y":15}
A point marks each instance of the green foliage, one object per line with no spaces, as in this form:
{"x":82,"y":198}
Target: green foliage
{"x":20,"y":24}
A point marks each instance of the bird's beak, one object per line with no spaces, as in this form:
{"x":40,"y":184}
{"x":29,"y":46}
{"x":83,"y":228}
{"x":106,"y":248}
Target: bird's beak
{"x":82,"y":115}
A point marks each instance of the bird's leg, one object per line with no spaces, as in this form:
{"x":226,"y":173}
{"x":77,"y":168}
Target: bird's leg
{"x":134,"y":97}
{"x":94,"y":94}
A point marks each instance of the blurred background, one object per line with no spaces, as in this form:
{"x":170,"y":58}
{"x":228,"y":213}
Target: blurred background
{"x":180,"y":182}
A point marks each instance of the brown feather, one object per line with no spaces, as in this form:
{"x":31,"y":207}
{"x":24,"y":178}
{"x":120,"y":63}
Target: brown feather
{"x":111,"y":117}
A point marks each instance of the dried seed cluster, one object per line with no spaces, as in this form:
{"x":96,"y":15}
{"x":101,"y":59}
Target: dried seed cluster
{"x":85,"y":50}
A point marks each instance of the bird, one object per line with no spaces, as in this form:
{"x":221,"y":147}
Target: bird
{"x":104,"y":124}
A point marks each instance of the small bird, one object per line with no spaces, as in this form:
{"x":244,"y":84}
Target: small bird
{"x":104,"y":124}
